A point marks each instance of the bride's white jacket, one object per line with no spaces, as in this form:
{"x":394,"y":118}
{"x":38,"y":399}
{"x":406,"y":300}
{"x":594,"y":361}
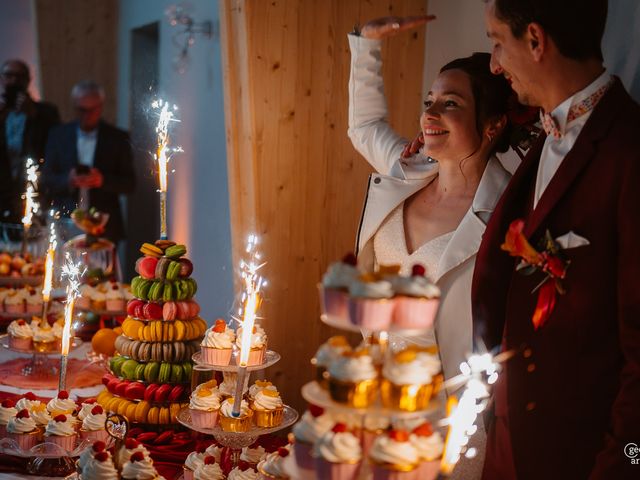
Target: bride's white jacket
{"x":397,"y":179}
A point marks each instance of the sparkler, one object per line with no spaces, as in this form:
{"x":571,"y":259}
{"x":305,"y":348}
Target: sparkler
{"x":250,"y":300}
{"x":163,"y":155}
{"x":48,"y":270}
{"x":73,"y":272}
{"x":31,"y":204}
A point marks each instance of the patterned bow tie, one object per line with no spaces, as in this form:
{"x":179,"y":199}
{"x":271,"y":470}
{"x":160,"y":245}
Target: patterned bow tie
{"x":550,"y":124}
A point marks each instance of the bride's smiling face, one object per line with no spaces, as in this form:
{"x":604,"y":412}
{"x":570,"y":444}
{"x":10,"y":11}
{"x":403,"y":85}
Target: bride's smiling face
{"x":449,"y":119}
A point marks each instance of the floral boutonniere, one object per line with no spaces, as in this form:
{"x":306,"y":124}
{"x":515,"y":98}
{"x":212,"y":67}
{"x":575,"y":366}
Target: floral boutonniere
{"x":548,"y":260}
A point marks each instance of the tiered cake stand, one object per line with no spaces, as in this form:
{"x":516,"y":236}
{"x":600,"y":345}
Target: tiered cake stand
{"x":39,"y":365}
{"x":236,"y":441}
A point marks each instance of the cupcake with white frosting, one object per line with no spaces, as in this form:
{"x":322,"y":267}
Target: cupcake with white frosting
{"x":272,"y":467}
{"x":258,"y":386}
{"x":27,"y":401}
{"x":14,"y":301}
{"x":83,"y":302}
{"x":40,"y":415}
{"x":98,"y":466}
{"x":61,"y":431}
{"x":61,"y":404}
{"x":258,"y":348}
{"x":229,"y":422}
{"x":334,"y":291}
{"x":372,"y":427}
{"x":93,"y":425}
{"x":204,"y":406}
{"x":243,"y":471}
{"x":327,"y":353}
{"x":114,"y":299}
{"x":44,"y":340}
{"x":353,"y":379}
{"x":209,"y":470}
{"x":253,"y":454}
{"x":33,"y":301}
{"x":371,"y":302}
{"x":416,"y":300}
{"x":23,"y":429}
{"x":20,"y":335}
{"x":131,"y":446}
{"x":311,"y":427}
{"x":430,"y":446}
{"x":338,"y":454}
{"x":7,"y":411}
{"x":217,"y":344}
{"x":85,"y":408}
{"x":394,"y":457}
{"x":268,"y":408}
{"x":139,"y":467}
{"x":193,"y":461}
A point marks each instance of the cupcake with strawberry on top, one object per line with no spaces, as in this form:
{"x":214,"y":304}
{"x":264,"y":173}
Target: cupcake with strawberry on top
{"x":217,"y":344}
{"x":20,"y":335}
{"x":93,"y":425}
{"x":338,"y":454}
{"x":416,"y":300}
{"x":23,"y":429}
{"x":393,"y":456}
{"x":61,"y":431}
{"x":334,"y":292}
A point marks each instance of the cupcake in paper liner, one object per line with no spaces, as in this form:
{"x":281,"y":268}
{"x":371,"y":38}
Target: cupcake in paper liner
{"x":430,"y":446}
{"x":334,"y":290}
{"x":138,"y":467}
{"x":229,"y":423}
{"x":93,"y":425}
{"x":97,"y":465}
{"x":311,"y":427}
{"x":192,"y":462}
{"x":209,"y":470}
{"x":338,"y":454}
{"x":273,"y":465}
{"x":393,"y":457}
{"x":243,"y":471}
{"x":217,"y":344}
{"x":268,"y":409}
{"x":353,"y":379}
{"x":7,"y":411}
{"x":371,"y":303}
{"x":409,"y":380}
{"x":372,"y":427}
{"x":416,"y":300}
{"x":204,"y":406}
{"x":258,"y":386}
{"x":253,"y":455}
{"x":258,"y":348}
{"x":23,"y":429}
{"x":61,"y":431}
{"x":20,"y":334}
{"x":327,"y":353}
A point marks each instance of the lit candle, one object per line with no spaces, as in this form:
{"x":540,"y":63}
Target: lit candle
{"x":48,"y":270}
{"x":73,"y":272}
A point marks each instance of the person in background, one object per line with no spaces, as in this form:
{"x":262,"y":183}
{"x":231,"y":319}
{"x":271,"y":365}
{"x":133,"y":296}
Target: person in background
{"x":88,"y":162}
{"x":24,"y":127}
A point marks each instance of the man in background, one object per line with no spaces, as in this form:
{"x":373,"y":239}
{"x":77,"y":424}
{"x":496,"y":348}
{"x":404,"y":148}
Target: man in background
{"x":88,"y":162}
{"x":24,"y":127}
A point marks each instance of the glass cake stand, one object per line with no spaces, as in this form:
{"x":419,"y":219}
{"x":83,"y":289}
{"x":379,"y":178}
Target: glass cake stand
{"x":40,"y":364}
{"x":270,"y":359}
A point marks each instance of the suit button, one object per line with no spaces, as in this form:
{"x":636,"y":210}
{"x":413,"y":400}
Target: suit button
{"x":377,"y":180}
{"x":531,"y":367}
{"x":530,"y":406}
{"x":527,"y":353}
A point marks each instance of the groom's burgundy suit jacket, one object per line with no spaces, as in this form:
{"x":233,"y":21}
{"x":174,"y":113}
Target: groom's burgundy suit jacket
{"x":573,"y":386}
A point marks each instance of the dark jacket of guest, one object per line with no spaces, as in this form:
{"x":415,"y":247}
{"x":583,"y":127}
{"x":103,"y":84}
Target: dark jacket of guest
{"x":572,"y":390}
{"x":113,"y":157}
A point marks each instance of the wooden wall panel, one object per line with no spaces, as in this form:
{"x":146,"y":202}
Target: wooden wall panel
{"x":294,"y":177}
{"x":77,"y":40}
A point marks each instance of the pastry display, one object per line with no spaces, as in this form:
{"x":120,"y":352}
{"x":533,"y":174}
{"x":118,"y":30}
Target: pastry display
{"x":335,"y":285}
{"x":338,"y":454}
{"x":229,"y":422}
{"x":15,"y":265}
{"x":327,"y":354}
{"x":353,"y":379}
{"x":313,"y":424}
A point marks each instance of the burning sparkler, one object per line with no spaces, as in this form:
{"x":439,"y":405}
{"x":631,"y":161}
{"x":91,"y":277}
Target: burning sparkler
{"x":163,"y":155}
{"x":48,"y":270}
{"x":31,"y":204}
{"x":73,"y":272}
{"x":251,"y":300}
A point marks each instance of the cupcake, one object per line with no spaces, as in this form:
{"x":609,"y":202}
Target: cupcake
{"x":100,"y":466}
{"x":327,"y":353}
{"x":371,"y":303}
{"x":93,"y":425}
{"x":33,"y":301}
{"x":268,"y":409}
{"x":87,"y":455}
{"x":228,"y":386}
{"x":313,"y":425}
{"x":204,"y":406}
{"x":214,"y":450}
{"x":209,"y":470}
{"x":20,"y":335}
{"x":338,"y":454}
{"x":253,"y":455}
{"x":130,"y":447}
{"x":272,"y":467}
{"x":217,"y":344}
{"x":43,"y":338}
{"x":40,"y":415}
{"x":83,"y":302}
{"x":416,"y":300}
{"x":258,"y":345}
{"x":372,"y":427}
{"x":229,"y":423}
{"x":61,"y":404}
{"x":243,"y":471}
{"x":353,"y":379}
{"x":85,"y":408}
{"x":114,"y":299}
{"x":258,"y":386}
{"x":409,"y":380}
{"x":139,"y":467}
{"x":61,"y":431}
{"x":99,"y":298}
{"x":429,"y":445}
{"x":27,"y":401}
{"x":334,"y":293}
{"x":23,"y":429}
{"x":14,"y":302}
{"x":7,"y":411}
{"x":191,"y":464}
{"x":393,"y":457}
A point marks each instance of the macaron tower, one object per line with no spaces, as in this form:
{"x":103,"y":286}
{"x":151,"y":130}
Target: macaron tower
{"x":151,"y":372}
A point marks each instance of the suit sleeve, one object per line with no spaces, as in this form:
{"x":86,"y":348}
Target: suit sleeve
{"x":121,"y":180}
{"x":56,"y":177}
{"x":625,"y":415}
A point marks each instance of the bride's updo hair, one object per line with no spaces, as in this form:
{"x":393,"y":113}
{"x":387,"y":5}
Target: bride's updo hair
{"x":492,"y":93}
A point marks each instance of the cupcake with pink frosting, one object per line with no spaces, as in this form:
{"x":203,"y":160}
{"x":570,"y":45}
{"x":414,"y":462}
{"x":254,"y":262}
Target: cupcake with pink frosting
{"x":393,"y":456}
{"x":338,"y":454}
{"x":217,"y":344}
{"x":416,"y":301}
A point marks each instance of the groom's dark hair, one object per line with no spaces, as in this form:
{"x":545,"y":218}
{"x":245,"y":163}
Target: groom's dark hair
{"x":576,"y":26}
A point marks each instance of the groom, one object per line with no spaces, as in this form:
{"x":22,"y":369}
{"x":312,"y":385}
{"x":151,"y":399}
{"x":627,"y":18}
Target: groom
{"x":567,"y":404}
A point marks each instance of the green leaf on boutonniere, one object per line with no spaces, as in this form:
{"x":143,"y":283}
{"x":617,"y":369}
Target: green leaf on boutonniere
{"x":526,"y":268}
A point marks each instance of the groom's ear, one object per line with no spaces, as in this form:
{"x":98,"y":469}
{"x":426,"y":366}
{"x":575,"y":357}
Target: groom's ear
{"x":537,"y":40}
{"x":496,"y":125}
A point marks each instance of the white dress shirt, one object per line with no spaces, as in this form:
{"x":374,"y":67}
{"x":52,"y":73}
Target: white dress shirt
{"x":555,"y":149}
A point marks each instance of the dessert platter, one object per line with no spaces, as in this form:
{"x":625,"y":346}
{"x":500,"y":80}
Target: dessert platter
{"x":107,"y":298}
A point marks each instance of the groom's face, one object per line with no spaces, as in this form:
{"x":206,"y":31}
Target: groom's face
{"x":511,"y":57}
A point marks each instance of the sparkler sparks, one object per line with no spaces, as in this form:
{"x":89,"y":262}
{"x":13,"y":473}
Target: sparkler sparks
{"x":31,"y":205}
{"x":49,"y":262}
{"x":73,"y":272}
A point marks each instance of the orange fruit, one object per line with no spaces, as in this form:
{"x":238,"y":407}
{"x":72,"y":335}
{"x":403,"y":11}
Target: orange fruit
{"x":104,"y":341}
{"x":118,"y":330}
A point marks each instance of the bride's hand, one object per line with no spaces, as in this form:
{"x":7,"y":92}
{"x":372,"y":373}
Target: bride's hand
{"x":413,"y":147}
{"x":388,"y":26}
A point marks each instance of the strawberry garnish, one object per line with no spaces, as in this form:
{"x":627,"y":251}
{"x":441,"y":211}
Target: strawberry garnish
{"x":423,"y":430}
{"x":244,"y":466}
{"x":220,"y":326}
{"x":99,"y":446}
{"x":63,"y":394}
{"x":101,"y":456}
{"x":131,"y":443}
{"x":90,"y":401}
{"x":97,"y":410}
{"x":418,"y":271}
{"x":283,"y":452}
{"x":350,"y":259}
{"x":8,"y":403}
{"x":30,"y":396}
{"x":315,"y":410}
{"x":60,"y":418}
{"x":399,"y":435}
{"x":22,"y":323}
{"x":209,"y":460}
{"x":339,"y":428}
{"x":24,"y":413}
{"x":137,"y":457}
